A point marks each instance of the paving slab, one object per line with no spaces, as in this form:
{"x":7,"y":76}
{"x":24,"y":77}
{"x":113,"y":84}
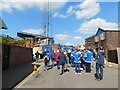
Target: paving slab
{"x":52,"y":79}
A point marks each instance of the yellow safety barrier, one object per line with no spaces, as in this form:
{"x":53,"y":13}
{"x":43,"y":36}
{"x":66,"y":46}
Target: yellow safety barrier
{"x":109,"y":64}
{"x":35,"y":69}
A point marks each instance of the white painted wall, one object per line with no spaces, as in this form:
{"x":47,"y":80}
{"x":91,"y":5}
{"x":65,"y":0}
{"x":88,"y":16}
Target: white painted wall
{"x":118,"y":54}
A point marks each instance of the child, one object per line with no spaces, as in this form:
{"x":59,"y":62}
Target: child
{"x":46,"y":61}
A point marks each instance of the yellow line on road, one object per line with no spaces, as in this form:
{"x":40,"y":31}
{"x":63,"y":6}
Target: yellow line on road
{"x":27,"y":78}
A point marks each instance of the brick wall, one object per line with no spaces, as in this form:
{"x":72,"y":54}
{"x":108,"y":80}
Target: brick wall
{"x":90,"y":42}
{"x":55,"y":47}
{"x":29,"y":44}
{"x":112,"y":40}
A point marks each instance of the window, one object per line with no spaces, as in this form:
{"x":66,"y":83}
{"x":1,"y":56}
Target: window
{"x":96,"y":39}
{"x":89,"y":41}
{"x":102,"y":36}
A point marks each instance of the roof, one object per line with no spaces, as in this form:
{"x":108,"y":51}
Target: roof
{"x":106,"y":30}
{"x":99,"y":31}
{"x":24,"y":34}
{"x":90,"y":37}
{"x":2,"y":24}
{"x":112,"y":30}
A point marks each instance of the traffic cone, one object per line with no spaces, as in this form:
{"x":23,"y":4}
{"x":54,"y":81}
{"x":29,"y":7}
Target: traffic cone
{"x":109,"y":64}
{"x":35,"y":69}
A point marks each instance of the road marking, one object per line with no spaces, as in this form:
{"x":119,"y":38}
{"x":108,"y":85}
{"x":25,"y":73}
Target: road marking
{"x":27,"y":78}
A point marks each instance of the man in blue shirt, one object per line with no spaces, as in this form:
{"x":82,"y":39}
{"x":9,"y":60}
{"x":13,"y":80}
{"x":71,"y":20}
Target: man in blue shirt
{"x":72,"y":58}
{"x":88,"y":59}
{"x":77,"y":61}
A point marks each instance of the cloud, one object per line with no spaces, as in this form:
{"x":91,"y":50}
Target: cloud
{"x":90,"y":27}
{"x":62,"y":36}
{"x":10,"y":5}
{"x":56,"y":14}
{"x":68,"y":39}
{"x":33,"y":31}
{"x":69,"y":44}
{"x":87,"y":9}
{"x":77,"y":38}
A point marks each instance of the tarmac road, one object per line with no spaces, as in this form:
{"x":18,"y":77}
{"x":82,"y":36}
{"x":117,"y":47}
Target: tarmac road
{"x":52,"y":79}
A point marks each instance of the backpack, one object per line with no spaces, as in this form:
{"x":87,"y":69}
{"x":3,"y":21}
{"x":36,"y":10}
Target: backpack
{"x":46,"y":59}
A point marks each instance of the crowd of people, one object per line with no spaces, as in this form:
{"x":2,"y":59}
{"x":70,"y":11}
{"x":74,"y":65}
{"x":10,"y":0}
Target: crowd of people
{"x":78,"y":59}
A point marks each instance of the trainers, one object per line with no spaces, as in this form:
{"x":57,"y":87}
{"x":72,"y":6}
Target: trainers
{"x":97,"y":79}
{"x":45,"y":69}
{"x":61,"y":73}
{"x":81,"y":69}
{"x":76,"y":73}
{"x":79,"y":73}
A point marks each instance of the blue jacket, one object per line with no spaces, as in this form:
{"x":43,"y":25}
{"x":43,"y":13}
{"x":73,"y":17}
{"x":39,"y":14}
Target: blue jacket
{"x":62,"y":58}
{"x":100,"y":58}
{"x":52,"y":55}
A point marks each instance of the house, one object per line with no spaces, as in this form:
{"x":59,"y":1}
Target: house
{"x":108,"y":39}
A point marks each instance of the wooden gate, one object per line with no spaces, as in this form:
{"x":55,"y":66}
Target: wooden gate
{"x":112,"y":56}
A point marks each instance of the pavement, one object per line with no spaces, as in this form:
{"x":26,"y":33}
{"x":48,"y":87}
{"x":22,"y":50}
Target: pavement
{"x":12,"y":76}
{"x":52,"y":79}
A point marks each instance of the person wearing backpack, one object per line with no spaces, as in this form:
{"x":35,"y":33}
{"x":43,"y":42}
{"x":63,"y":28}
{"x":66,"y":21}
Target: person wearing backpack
{"x":37,"y":56}
{"x":46,"y":61}
{"x":100,"y":58}
{"x":62,"y":61}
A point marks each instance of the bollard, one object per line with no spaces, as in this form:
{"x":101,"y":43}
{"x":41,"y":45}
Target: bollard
{"x":109,"y":64}
{"x":35,"y":69}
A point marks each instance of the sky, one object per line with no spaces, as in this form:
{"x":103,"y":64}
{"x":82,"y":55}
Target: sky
{"x":71,"y":22}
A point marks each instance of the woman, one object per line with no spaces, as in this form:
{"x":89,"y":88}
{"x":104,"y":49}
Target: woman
{"x":56,"y":58}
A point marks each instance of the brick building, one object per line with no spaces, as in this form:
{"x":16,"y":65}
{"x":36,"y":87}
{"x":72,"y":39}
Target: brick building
{"x":107,"y":39}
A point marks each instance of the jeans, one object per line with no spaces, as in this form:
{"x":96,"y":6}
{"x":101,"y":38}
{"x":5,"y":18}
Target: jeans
{"x":99,"y":71}
{"x":45,"y":67}
{"x":53,"y":62}
{"x":58,"y":66}
{"x":72,"y":63}
{"x":36,"y":59}
{"x":62,"y":68}
{"x":77,"y":67}
{"x":88,"y":67}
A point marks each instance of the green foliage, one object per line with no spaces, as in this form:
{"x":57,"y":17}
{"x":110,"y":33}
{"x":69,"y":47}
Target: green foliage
{"x":11,"y":41}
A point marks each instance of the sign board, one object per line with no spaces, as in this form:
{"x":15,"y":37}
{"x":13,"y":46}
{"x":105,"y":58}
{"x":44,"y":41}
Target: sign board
{"x":118,"y":54}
